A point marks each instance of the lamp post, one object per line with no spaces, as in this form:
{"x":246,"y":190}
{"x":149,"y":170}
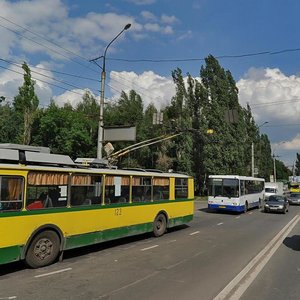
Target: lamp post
{"x":252,"y":150}
{"x":103,"y":77}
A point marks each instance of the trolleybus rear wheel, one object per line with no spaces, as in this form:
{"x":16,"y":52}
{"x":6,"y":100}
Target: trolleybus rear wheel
{"x":159,"y":225}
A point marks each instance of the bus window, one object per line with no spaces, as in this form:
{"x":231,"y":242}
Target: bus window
{"x":86,"y":189}
{"x":116,"y":189}
{"x":181,"y":188}
{"x":46,"y":190}
{"x":161,"y":188}
{"x":141,"y":189}
{"x":11,"y":193}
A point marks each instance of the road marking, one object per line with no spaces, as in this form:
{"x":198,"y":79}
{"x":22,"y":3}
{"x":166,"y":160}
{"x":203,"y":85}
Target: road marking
{"x":239,"y":284}
{"x":8,"y":298}
{"x":148,"y":248}
{"x":52,"y":273}
{"x":195,"y":232}
{"x":106,"y":296}
{"x":172,"y":241}
{"x":220,"y":224}
{"x":237,"y":217}
{"x":250,"y":213}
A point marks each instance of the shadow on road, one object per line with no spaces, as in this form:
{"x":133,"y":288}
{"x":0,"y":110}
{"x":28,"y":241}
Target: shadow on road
{"x":220,"y":212}
{"x":292,"y":242}
{"x":85,"y":250}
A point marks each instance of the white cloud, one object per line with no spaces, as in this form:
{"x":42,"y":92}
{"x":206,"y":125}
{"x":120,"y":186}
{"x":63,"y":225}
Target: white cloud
{"x":293,"y":144}
{"x":272,"y":95}
{"x":12,"y":79}
{"x":73,"y":97}
{"x":86,"y":35}
{"x":147,"y":15}
{"x":152,"y":87}
{"x":168,"y":19}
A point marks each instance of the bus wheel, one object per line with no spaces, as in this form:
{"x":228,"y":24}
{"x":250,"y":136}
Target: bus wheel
{"x":43,"y":249}
{"x":159,"y":225}
{"x":246,"y":207}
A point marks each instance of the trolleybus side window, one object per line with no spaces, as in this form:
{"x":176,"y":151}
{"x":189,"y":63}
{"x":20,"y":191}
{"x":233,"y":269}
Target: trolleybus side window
{"x":116,"y":189}
{"x":181,"y":188}
{"x":46,"y":189}
{"x":161,"y":188}
{"x":141,"y":189}
{"x":86,"y":189}
{"x":11,"y":193}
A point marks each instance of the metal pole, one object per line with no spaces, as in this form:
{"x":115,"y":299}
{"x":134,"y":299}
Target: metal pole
{"x":274,"y":168}
{"x":101,"y":122}
{"x":103,"y":77}
{"x":252,"y":158}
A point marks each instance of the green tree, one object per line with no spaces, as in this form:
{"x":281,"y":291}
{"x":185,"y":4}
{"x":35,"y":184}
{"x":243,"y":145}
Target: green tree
{"x":26,"y":104}
{"x":8,"y":123}
{"x":297,"y":165}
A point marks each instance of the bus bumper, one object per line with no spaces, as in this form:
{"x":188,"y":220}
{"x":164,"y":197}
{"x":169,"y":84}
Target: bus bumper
{"x":239,"y":208}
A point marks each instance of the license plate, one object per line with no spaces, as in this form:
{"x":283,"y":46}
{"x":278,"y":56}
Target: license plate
{"x":222,"y":206}
{"x":273,"y":208}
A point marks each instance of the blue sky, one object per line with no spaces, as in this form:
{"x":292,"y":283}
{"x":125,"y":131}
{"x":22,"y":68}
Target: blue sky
{"x":58,"y":37}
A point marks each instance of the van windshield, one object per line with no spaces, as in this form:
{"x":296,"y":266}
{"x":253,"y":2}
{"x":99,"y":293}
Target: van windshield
{"x":270,"y":190}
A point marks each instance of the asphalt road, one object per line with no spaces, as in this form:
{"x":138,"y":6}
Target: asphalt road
{"x":217,"y":256}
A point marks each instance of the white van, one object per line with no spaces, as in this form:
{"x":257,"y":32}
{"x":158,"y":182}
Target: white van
{"x":273,"y":188}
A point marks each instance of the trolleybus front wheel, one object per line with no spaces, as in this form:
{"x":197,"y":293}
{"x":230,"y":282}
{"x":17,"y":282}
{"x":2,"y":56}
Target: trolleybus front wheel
{"x":43,"y":249}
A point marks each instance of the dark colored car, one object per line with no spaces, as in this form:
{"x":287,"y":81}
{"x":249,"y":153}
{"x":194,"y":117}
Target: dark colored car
{"x":294,"y":198}
{"x":276,"y":203}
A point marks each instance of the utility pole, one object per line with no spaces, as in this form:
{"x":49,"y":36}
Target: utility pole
{"x":103,"y":77}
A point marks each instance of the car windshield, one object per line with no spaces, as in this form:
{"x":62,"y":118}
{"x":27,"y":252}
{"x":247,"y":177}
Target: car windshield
{"x":295,"y":195}
{"x":276,"y":199}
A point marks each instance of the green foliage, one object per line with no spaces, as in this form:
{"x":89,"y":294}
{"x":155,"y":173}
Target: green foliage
{"x":25,"y":105}
{"x":198,"y":105}
{"x":297,"y":165}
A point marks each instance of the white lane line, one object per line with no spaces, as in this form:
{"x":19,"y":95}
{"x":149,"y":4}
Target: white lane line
{"x":237,"y":217}
{"x":172,"y":241}
{"x":52,"y":273}
{"x":220,"y":224}
{"x":250,"y":213}
{"x":243,"y":280}
{"x":148,"y":248}
{"x":195,"y":232}
{"x":8,"y":298}
{"x":106,"y":296}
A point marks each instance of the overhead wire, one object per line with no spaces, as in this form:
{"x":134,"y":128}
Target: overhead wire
{"x":47,"y":47}
{"x":50,"y":77}
{"x":52,"y":84}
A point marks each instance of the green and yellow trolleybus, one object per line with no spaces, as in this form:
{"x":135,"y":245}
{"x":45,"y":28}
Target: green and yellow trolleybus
{"x":49,"y":204}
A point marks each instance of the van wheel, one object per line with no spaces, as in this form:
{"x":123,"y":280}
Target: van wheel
{"x":159,"y":225}
{"x":43,"y":249}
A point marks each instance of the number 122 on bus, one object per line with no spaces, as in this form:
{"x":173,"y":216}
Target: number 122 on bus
{"x":235,"y":193}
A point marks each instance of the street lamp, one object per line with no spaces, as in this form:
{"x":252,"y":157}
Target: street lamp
{"x":252,"y":150}
{"x":103,"y":76}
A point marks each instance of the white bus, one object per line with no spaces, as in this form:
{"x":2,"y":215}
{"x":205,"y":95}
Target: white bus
{"x":235,"y":193}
